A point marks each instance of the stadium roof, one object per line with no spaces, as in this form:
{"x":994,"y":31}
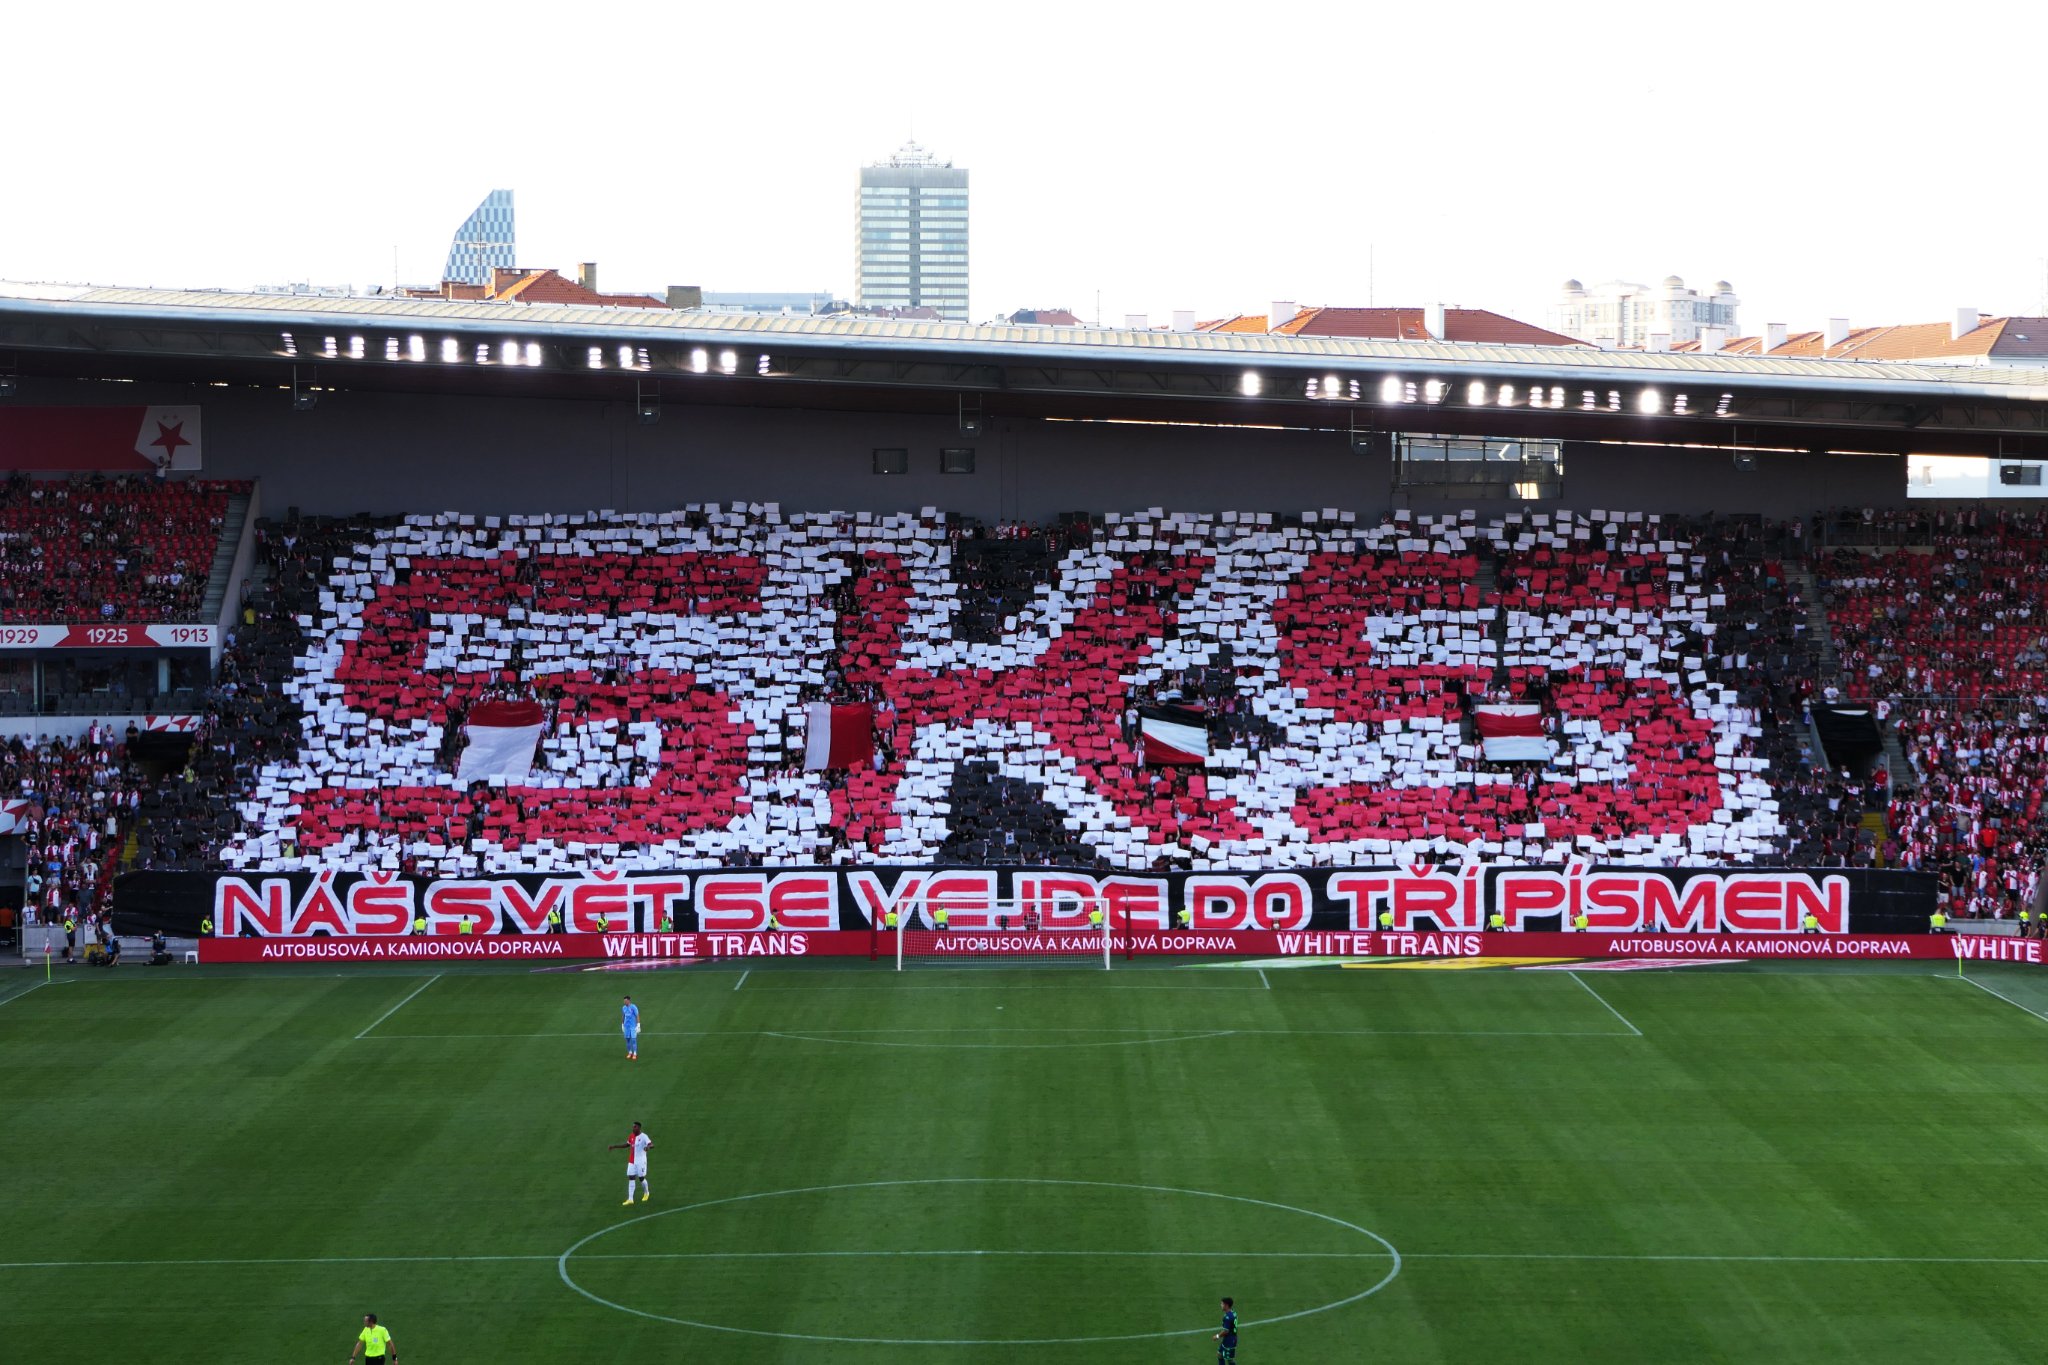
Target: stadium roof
{"x":441,"y":346}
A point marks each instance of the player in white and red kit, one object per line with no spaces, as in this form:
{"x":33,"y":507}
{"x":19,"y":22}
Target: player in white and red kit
{"x":636,"y":1146}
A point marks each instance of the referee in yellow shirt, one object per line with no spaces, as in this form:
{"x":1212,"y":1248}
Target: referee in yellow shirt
{"x":374,"y":1342}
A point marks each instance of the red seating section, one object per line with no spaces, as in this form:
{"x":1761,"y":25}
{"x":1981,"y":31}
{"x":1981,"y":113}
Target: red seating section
{"x":115,"y":551}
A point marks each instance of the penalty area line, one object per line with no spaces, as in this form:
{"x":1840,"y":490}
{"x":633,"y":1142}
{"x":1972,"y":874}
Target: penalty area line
{"x":1603,"y":1000}
{"x":400,"y":1005}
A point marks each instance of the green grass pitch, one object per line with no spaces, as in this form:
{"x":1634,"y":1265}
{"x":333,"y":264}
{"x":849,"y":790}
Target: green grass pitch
{"x":851,"y":1165}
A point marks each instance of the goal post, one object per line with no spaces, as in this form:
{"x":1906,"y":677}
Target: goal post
{"x":1069,"y":934}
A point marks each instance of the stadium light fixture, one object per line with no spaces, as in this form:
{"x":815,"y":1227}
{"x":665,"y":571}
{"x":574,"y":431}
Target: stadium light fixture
{"x":415,"y":348}
{"x":331,"y":349}
{"x":451,"y":351}
{"x":1721,"y":408}
{"x":1475,"y":393}
{"x":625,"y":357}
{"x":728,"y":362}
{"x":355,"y":348}
{"x":287,"y":345}
{"x":1506,"y":397}
{"x":533,"y":353}
{"x":700,"y":361}
{"x":1678,"y":405}
{"x":391,"y":351}
{"x":1390,"y":389}
{"x":1248,"y":384}
{"x":763,"y":367}
{"x":1314,"y":388}
{"x":1556,"y":395}
{"x":508,"y":353}
{"x":595,"y":360}
{"x":1588,"y":400}
{"x":1614,"y":400}
{"x":1649,"y":401}
{"x":1434,"y":390}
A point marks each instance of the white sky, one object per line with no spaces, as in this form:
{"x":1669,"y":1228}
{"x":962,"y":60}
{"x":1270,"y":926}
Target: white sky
{"x":1876,"y":160}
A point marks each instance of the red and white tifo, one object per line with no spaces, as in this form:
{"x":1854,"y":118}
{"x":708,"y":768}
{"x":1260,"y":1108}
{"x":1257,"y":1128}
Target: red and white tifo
{"x":685,"y":643}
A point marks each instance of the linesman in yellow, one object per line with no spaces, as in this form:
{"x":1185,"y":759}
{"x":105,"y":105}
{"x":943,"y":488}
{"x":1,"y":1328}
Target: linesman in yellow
{"x":374,"y":1342}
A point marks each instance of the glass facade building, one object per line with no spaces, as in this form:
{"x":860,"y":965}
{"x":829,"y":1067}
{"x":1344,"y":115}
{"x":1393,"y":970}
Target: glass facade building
{"x":485,"y":239}
{"x":911,"y":247}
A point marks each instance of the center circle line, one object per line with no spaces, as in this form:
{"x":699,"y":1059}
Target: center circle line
{"x":1391,"y":1252}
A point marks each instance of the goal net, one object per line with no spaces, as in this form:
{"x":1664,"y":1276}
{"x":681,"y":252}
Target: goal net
{"x":1068,"y":932}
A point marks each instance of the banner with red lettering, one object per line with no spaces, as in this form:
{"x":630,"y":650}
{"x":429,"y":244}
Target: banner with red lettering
{"x":1417,"y":899}
{"x":658,"y":948}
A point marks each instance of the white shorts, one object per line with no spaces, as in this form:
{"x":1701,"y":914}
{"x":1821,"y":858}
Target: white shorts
{"x":636,"y":1169}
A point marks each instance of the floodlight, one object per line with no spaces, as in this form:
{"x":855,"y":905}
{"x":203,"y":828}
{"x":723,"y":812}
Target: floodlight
{"x":355,"y":348}
{"x":1390,"y":390}
{"x":1649,"y":401}
{"x":416,"y":348}
{"x":625,"y":357}
{"x":508,"y":353}
{"x":595,"y":360}
{"x":728,"y":362}
{"x":451,"y":351}
{"x":533,"y":353}
{"x":1248,"y":384}
{"x":700,"y":361}
{"x":1507,"y":396}
{"x":1475,"y":393}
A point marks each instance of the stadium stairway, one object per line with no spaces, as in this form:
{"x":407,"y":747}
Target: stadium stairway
{"x":1827,"y":663}
{"x":217,"y":584}
{"x":1898,"y":772}
{"x":1487,"y":577}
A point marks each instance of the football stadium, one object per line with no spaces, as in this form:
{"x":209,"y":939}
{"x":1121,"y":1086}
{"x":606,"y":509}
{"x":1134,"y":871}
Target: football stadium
{"x":1463,"y":850}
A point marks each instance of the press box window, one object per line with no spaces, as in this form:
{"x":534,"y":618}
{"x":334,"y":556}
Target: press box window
{"x":892,"y":461}
{"x":2020,"y":475}
{"x":956,"y":460}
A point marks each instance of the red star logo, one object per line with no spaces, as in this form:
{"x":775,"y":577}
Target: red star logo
{"x":168,"y":435}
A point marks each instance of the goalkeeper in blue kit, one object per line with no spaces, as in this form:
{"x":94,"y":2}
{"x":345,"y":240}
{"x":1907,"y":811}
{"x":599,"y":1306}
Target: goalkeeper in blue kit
{"x":1226,"y":1340}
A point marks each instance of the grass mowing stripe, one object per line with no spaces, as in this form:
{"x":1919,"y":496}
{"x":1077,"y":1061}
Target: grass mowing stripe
{"x":1603,"y":1000}
{"x":2003,"y":996}
{"x":1621,"y":1256}
{"x":401,"y":1004}
{"x":1229,"y":1033}
{"x":743,"y":978}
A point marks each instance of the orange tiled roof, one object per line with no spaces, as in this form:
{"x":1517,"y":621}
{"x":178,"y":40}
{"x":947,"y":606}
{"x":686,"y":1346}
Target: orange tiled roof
{"x":549,"y":286}
{"x":2001,"y":338}
{"x":1403,"y":324}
